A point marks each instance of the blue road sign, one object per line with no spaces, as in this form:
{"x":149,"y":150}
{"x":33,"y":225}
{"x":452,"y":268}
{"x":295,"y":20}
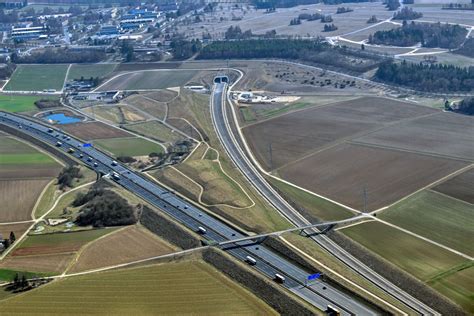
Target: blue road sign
{"x":87,"y":145}
{"x":314,"y":276}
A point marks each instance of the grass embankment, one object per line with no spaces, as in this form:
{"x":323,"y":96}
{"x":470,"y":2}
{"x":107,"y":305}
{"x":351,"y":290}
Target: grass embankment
{"x":155,"y":130}
{"x":174,"y":288}
{"x":37,"y":78}
{"x":436,"y":216}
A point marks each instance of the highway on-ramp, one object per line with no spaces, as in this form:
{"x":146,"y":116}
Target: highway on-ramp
{"x":267,"y":262}
{"x":240,"y":159}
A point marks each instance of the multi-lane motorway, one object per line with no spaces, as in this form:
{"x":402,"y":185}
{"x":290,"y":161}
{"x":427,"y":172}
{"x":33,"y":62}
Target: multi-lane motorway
{"x":267,"y":262}
{"x":240,"y":159}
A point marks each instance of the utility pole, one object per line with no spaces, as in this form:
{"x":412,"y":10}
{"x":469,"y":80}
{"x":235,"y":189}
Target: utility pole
{"x":270,"y":153}
{"x":365,"y":199}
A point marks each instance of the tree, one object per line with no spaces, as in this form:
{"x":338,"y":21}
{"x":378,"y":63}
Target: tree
{"x":362,"y":46}
{"x":12,"y":237}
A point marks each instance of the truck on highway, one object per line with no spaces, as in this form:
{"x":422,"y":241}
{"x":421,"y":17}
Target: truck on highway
{"x":71,"y":150}
{"x":331,"y":310}
{"x":114,"y":163}
{"x":250,"y":260}
{"x":115,"y":175}
{"x":279,"y":278}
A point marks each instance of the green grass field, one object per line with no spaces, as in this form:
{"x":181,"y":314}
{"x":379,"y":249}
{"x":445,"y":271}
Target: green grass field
{"x":412,"y":254}
{"x":128,"y":146}
{"x":168,"y":289}
{"x":9,"y":145}
{"x":21,"y":159}
{"x":317,"y":207}
{"x":438,"y":217}
{"x":9,"y":275}
{"x":90,"y":70}
{"x":457,"y":284}
{"x":17,"y":103}
{"x":155,"y":130}
{"x":150,"y":80}
{"x":37,"y":78}
{"x":14,"y":152}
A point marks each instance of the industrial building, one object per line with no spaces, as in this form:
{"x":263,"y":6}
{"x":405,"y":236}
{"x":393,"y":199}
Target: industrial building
{"x":28,"y":33}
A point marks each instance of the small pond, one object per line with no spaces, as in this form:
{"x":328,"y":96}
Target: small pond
{"x":61,"y":118}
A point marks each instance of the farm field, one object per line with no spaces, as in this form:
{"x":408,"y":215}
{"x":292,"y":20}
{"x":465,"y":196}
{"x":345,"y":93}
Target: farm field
{"x":460,"y":187}
{"x":310,"y":205}
{"x":412,"y":254}
{"x":435,"y":13}
{"x":148,"y":105}
{"x":115,"y":114}
{"x":128,"y":146}
{"x":17,"y":229}
{"x":18,"y":198}
{"x":9,"y":275}
{"x":345,"y":170}
{"x":431,"y":264}
{"x":457,"y":285}
{"x":148,"y":80}
{"x":37,"y":78}
{"x":58,"y":242}
{"x":435,"y":216}
{"x":18,"y":160}
{"x":297,"y":134}
{"x":164,"y":95}
{"x":94,"y":130}
{"x":260,"y":22}
{"x":17,"y":103}
{"x":143,"y":291}
{"x":90,"y":70}
{"x":155,"y":130}
{"x":259,"y":112}
{"x":126,"y":245}
{"x":48,"y":263}
{"x":432,"y":134}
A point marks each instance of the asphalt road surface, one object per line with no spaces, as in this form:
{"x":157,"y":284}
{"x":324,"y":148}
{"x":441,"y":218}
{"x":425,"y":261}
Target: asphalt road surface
{"x":319,"y":293}
{"x":238,"y":156}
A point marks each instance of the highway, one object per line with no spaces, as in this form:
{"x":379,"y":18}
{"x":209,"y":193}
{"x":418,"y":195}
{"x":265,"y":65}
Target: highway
{"x":269,"y":263}
{"x":238,"y":156}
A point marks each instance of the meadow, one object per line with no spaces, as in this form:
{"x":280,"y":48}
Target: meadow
{"x":37,"y":78}
{"x":174,"y":288}
{"x":128,"y":146}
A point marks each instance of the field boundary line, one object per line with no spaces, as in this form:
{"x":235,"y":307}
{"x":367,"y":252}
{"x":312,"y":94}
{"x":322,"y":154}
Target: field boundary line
{"x":364,"y":220}
{"x":459,"y":253}
{"x":428,"y":186}
{"x":14,"y":223}
{"x":228,"y":222}
{"x":249,"y":153}
{"x":341,"y":276}
{"x":451,"y":197}
{"x":87,"y":245}
{"x":201,"y":188}
{"x":18,"y":241}
{"x":40,"y":197}
{"x":111,"y":125}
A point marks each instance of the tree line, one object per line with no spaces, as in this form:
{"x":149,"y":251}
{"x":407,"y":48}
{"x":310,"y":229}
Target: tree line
{"x":313,"y":51}
{"x":432,"y":78}
{"x":407,"y":14}
{"x":59,"y":56}
{"x":428,"y":34}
